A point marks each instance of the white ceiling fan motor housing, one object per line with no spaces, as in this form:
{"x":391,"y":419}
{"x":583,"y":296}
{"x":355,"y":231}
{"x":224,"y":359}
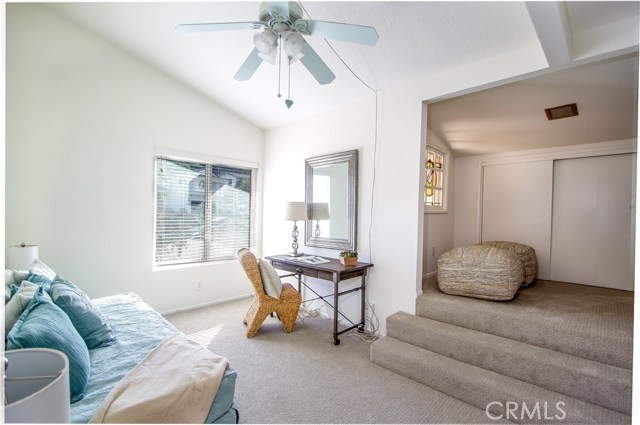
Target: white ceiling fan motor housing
{"x":277,"y":11}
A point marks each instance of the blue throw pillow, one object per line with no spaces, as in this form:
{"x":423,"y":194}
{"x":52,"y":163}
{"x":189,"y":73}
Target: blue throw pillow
{"x":85,"y":316}
{"x":40,"y":280}
{"x":44,"y":325}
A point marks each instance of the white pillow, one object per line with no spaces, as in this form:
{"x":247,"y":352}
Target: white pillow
{"x":17,"y":304}
{"x":40,"y":268}
{"x":8,"y":278}
{"x":270,"y":279}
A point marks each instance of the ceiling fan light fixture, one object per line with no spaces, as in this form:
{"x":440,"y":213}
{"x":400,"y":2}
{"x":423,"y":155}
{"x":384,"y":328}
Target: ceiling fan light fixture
{"x":293,"y":58}
{"x":293,"y":43}
{"x":269,"y":57}
{"x":265,"y":41}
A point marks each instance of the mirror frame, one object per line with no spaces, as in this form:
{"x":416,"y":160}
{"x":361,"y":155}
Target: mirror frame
{"x":351,"y":158}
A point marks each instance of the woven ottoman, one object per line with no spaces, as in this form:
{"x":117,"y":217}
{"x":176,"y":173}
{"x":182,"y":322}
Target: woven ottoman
{"x":480,"y":272}
{"x":526,"y":254}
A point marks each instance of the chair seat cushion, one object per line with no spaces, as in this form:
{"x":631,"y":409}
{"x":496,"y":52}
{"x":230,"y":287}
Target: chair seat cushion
{"x":480,"y":272}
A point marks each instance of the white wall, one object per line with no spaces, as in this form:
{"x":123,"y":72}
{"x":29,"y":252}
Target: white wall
{"x":83,"y":121}
{"x":347,"y":128}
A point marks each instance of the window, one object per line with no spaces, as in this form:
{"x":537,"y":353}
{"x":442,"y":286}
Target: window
{"x":434,"y":189}
{"x":203,"y":211}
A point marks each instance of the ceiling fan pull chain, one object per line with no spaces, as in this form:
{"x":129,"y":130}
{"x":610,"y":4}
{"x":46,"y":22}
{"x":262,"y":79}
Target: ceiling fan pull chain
{"x":289,"y":102}
{"x":279,"y":63}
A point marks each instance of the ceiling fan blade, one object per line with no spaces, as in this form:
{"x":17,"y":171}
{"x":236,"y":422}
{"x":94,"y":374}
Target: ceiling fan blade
{"x":219,"y":26}
{"x":249,"y":66}
{"x":337,"y":31}
{"x":316,"y":66}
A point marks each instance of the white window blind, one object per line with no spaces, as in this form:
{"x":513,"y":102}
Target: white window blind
{"x":203,"y":211}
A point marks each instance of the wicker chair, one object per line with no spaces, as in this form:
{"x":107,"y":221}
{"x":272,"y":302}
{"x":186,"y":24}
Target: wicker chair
{"x":263,"y":305}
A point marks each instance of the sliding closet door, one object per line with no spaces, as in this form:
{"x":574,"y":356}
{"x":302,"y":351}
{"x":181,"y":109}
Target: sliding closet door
{"x":516,"y":206}
{"x":593,"y":221}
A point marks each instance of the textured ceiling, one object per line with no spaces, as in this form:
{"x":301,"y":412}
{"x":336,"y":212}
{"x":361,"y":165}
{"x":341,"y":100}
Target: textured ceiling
{"x":417,"y":40}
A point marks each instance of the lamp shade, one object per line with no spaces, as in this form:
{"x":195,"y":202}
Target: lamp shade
{"x":320,"y":211}
{"x":296,"y":211}
{"x":20,"y":257}
{"x":37,"y":386}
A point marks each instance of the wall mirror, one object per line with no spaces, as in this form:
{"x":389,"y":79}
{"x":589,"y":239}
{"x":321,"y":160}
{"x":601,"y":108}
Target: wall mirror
{"x":331,"y":195}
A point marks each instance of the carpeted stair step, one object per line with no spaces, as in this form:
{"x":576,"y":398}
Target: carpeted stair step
{"x":499,"y":395}
{"x":583,"y":321}
{"x":597,"y":383}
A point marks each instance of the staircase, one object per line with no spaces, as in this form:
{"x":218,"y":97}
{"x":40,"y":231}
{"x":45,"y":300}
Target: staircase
{"x":557,"y":353}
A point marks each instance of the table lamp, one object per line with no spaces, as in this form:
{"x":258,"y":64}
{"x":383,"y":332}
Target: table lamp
{"x":295,"y":212}
{"x":21,"y":256}
{"x":36,"y":386}
{"x":319,"y":211}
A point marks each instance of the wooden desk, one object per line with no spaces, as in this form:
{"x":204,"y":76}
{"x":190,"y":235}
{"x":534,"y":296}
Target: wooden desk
{"x":333,"y":271}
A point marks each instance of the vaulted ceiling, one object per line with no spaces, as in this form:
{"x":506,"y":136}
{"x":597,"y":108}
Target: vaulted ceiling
{"x":417,"y":40}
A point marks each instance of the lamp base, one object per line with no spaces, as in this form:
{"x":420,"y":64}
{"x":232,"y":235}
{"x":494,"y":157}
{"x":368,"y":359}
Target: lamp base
{"x":294,"y":254}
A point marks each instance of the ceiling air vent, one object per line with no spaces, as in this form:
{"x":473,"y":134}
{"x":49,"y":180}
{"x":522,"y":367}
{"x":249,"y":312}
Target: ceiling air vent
{"x":564,"y":111}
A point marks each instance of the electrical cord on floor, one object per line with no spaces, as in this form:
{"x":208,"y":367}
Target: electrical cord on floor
{"x":370,"y":335}
{"x":308,"y":313}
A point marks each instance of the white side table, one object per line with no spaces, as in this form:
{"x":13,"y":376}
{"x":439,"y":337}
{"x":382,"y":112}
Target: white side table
{"x":37,"y":386}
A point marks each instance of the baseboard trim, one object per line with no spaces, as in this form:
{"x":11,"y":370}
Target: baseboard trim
{"x":419,"y":293}
{"x":207,"y":304}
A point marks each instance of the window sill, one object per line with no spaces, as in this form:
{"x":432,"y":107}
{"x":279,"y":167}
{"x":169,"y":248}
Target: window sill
{"x":436,"y":210}
{"x":157,"y":268}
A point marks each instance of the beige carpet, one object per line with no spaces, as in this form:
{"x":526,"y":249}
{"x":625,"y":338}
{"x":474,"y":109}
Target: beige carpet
{"x":303,"y":378}
{"x":585,"y":321}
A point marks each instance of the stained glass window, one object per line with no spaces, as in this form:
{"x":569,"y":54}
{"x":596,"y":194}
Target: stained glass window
{"x":434,"y":178}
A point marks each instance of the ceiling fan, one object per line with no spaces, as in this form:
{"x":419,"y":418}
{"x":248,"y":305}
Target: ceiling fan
{"x":283,"y":29}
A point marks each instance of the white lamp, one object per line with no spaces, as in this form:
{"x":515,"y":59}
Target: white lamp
{"x":36,"y":386}
{"x":319,"y":211}
{"x":295,"y":212}
{"x":20,"y":257}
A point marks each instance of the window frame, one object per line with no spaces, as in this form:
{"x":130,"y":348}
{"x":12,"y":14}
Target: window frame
{"x":433,"y":209}
{"x":211,"y":161}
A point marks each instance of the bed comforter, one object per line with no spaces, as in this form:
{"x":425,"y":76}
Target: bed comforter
{"x":138,"y":329}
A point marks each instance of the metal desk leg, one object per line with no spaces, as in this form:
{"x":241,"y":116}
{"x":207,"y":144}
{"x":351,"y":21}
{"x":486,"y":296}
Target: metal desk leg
{"x":336,"y":341}
{"x":362,"y":304}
